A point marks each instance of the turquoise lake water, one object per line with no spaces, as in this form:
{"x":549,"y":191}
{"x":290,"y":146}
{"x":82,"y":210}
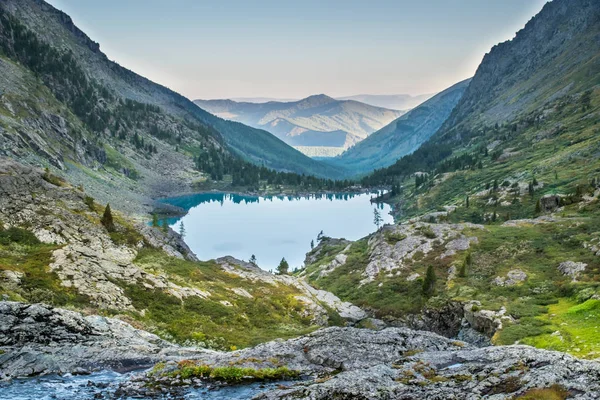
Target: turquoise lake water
{"x":219,"y":224}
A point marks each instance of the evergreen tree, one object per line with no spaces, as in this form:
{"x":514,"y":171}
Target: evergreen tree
{"x":107,"y":219}
{"x":320,"y":236}
{"x":467,"y":202}
{"x":538,"y":207}
{"x":429,"y":282}
{"x":253,"y":259}
{"x":494,"y":216}
{"x":155,"y":220}
{"x":312,"y":244}
{"x":283,"y":267}
{"x":377,"y":219}
{"x":165,"y":226}
{"x":182,"y":232}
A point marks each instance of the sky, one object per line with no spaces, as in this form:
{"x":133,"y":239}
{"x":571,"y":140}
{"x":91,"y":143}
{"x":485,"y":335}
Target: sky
{"x":293,"y":49}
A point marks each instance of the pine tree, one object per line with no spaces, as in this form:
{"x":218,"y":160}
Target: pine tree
{"x":155,"y":220}
{"x":165,"y":226}
{"x":538,"y":207}
{"x":253,"y":259}
{"x":182,"y":232}
{"x":377,"y":220}
{"x":283,"y":267}
{"x":320,"y":236}
{"x":107,"y":219}
{"x":312,"y":244}
{"x":429,"y":282}
{"x":467,"y":202}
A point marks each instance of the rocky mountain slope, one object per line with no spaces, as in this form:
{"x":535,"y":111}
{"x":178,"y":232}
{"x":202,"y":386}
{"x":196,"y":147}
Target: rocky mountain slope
{"x":54,"y":249}
{"x":498,"y":211}
{"x":402,"y":136}
{"x":318,"y":121}
{"x":65,"y":105}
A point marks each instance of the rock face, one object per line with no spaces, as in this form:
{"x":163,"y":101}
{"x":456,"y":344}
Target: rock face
{"x":572,"y":268}
{"x":313,"y":298}
{"x":418,"y":237}
{"x":513,"y":277}
{"x":498,"y":373}
{"x":399,"y":363}
{"x":39,"y":339}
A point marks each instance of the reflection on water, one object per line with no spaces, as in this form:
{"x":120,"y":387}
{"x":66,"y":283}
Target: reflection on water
{"x":272,"y":227}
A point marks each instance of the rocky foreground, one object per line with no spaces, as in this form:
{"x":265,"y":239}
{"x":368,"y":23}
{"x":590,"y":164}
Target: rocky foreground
{"x":342,"y":363}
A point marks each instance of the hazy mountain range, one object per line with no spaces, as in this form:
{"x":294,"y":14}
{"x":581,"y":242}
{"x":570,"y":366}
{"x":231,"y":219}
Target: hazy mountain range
{"x":404,"y":135}
{"x":318,"y":121}
{"x":400,"y":102}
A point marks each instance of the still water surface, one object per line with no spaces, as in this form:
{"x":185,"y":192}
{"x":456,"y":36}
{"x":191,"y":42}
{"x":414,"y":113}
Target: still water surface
{"x":219,"y":224}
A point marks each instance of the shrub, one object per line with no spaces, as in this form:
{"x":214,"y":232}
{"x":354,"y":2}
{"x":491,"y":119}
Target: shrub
{"x":89,"y":201}
{"x":18,"y":235}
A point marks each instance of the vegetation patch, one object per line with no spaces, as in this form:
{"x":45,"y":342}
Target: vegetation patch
{"x":231,"y":374}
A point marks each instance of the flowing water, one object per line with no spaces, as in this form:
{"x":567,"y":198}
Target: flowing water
{"x":219,"y":224}
{"x":102,"y":385}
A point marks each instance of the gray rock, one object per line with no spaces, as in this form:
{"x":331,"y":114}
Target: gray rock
{"x":38,"y":339}
{"x":572,"y":269}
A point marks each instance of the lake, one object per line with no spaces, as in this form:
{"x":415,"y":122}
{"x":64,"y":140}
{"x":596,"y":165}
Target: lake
{"x":219,"y":224}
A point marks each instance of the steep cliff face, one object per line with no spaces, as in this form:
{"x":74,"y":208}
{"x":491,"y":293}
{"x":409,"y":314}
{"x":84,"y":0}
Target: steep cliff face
{"x":555,"y":54}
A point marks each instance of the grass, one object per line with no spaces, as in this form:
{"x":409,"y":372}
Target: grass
{"x":554,"y":392}
{"x":22,"y":252}
{"x":272,"y":312}
{"x":231,"y":374}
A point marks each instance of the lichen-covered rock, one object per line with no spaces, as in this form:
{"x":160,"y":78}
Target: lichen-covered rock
{"x":513,"y":277}
{"x":572,"y":268}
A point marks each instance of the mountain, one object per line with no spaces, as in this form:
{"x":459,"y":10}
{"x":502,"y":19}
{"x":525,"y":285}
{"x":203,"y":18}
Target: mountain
{"x":552,"y":64}
{"x":498,"y":213}
{"x":260,"y":99}
{"x":314,"y":121}
{"x":390,"y":101}
{"x":65,"y":105}
{"x":402,"y":136}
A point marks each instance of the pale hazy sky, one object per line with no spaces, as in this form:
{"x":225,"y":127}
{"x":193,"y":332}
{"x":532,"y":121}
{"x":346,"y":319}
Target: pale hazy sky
{"x":292,"y":49}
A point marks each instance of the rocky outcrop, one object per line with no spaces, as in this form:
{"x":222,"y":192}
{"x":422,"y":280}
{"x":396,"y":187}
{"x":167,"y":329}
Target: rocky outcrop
{"x":38,"y":339}
{"x":399,"y":363}
{"x":513,"y":277}
{"x":572,"y":268}
{"x":499,"y":373}
{"x":314,"y":299}
{"x":416,"y":238}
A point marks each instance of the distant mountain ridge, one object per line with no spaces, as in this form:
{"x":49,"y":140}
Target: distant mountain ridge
{"x":390,"y":101}
{"x":317,"y":120}
{"x":402,"y":136}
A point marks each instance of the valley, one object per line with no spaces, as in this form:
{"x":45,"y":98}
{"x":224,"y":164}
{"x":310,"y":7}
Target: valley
{"x":151,"y":249}
{"x":317,"y":121}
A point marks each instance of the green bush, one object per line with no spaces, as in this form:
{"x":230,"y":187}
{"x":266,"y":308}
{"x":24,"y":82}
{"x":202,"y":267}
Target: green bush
{"x":18,"y":235}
